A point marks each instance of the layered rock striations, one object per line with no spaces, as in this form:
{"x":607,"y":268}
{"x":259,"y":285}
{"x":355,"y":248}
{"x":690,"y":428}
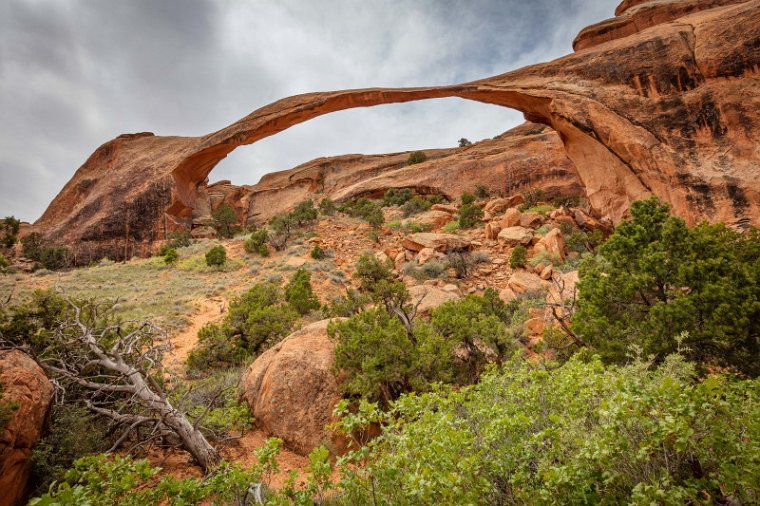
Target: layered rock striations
{"x":662,"y":100}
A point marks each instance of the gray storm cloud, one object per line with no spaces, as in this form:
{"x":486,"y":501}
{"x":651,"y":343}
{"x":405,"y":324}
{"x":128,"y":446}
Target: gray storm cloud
{"x":76,"y":73}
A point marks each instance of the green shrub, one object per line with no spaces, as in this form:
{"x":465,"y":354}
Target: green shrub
{"x":74,"y":432}
{"x":542,"y":209}
{"x":327,"y":207}
{"x":451,"y":227}
{"x":255,"y":321}
{"x":304,"y":212}
{"x":518,"y":257}
{"x":32,"y":246}
{"x":467,"y":198}
{"x":216,"y":256}
{"x":416,"y":157}
{"x":531,"y":198}
{"x":225,"y":221}
{"x":9,"y":228}
{"x":655,"y":279}
{"x":415,"y":205}
{"x":257,"y":242}
{"x":582,"y":433}
{"x":171,"y":256}
{"x":281,"y":227}
{"x":481,"y":191}
{"x":567,"y":201}
{"x":54,"y":258}
{"x":365,"y":209}
{"x":4,"y":263}
{"x":397,"y":196}
{"x":470,"y":215}
{"x":347,"y":305}
{"x":317,"y":253}
{"x":300,"y":294}
{"x":370,"y":271}
{"x":464,"y":142}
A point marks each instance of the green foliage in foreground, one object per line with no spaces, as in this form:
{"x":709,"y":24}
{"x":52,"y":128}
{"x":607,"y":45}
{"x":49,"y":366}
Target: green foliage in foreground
{"x":518,"y":257}
{"x":103,"y":480}
{"x":381,"y":358}
{"x":656,"y":278}
{"x":9,"y":227}
{"x":257,"y":242}
{"x":584,"y":433}
{"x":416,"y":157}
{"x":255,"y":321}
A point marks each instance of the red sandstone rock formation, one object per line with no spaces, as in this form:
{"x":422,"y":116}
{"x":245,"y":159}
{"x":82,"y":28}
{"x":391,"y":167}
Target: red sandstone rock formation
{"x":24,"y":383}
{"x":292,"y":391}
{"x":661,"y":100}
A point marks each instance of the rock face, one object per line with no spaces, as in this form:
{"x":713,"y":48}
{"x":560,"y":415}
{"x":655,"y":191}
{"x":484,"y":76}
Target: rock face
{"x":25,"y":384}
{"x":662,"y":100}
{"x":442,"y":243}
{"x":291,"y":389}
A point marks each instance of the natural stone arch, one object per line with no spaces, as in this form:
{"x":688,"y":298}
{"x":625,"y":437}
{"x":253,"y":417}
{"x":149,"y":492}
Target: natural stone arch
{"x":613,"y":193}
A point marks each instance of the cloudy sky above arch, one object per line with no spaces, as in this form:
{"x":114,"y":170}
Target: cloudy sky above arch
{"x":76,"y":73}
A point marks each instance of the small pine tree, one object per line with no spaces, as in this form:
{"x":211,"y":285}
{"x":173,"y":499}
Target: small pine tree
{"x":327,"y":207}
{"x":464,"y":142}
{"x":299,"y":293}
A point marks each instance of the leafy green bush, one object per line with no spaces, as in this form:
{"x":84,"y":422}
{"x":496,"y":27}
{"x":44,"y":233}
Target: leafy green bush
{"x":225,"y":221}
{"x":327,"y":207}
{"x":370,"y":271}
{"x":451,"y":227}
{"x":300,"y":294}
{"x":397,"y":196}
{"x":416,"y":205}
{"x":9,"y":228}
{"x":317,"y":253}
{"x":518,"y":257}
{"x":579,"y":434}
{"x":171,"y":256}
{"x":4,"y":263}
{"x":347,"y":305}
{"x":257,"y":242}
{"x":216,"y":256}
{"x":470,"y":215}
{"x":467,"y":198}
{"x":567,"y":201}
{"x":655,"y":278}
{"x":304,"y":212}
{"x":365,"y":209}
{"x":254,"y":322}
{"x":175,"y":240}
{"x":281,"y":227}
{"x":416,"y":157}
{"x":464,"y":142}
{"x":73,"y":432}
{"x":55,"y":258}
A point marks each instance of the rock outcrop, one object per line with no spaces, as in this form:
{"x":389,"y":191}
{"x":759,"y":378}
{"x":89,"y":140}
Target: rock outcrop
{"x":292,"y":391}
{"x":26,"y":386}
{"x":662,"y":100}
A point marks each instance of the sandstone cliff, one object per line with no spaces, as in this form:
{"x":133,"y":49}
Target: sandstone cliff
{"x":663,"y":99}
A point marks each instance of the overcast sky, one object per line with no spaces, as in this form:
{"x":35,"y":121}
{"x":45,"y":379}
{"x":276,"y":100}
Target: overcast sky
{"x":77,"y":73}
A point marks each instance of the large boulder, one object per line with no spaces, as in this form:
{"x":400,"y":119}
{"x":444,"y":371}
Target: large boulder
{"x":291,"y":389}
{"x":433,"y":219}
{"x":438,"y":242}
{"x":553,"y":244}
{"x":525,"y":282}
{"x":511,"y":218}
{"x":513,"y":236}
{"x":25,"y":385}
{"x":427,"y":298}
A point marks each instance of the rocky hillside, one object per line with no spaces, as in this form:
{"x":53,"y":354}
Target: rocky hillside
{"x":661,"y":99}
